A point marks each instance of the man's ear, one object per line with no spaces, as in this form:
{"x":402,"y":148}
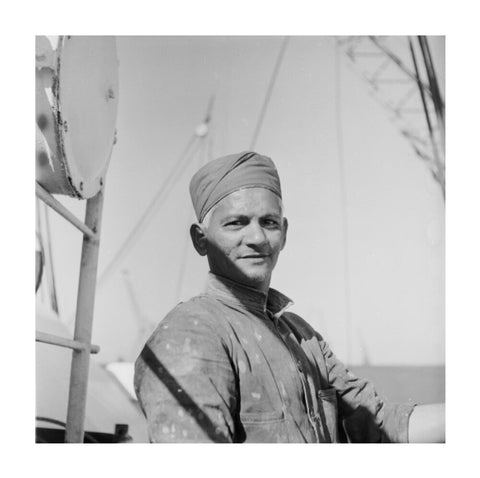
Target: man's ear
{"x":284,"y":232}
{"x":199,"y":239}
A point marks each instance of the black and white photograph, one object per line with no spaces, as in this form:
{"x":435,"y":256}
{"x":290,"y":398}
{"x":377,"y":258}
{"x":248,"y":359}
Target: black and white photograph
{"x":240,"y":239}
{"x":247,"y":233}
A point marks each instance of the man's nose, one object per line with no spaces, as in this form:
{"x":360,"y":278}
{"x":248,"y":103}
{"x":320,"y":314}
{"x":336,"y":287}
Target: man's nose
{"x":255,"y":234}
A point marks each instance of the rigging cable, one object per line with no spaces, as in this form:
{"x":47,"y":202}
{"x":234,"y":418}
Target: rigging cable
{"x":343,"y":203}
{"x":268,"y":94}
{"x":165,"y":188}
{"x":48,"y":237}
{"x":205,"y":154}
{"x":150,"y":210}
{"x":183,"y":264}
{"x":143,"y":323}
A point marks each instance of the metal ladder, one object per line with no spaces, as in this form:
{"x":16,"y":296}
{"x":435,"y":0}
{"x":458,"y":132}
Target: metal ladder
{"x":81,"y":343}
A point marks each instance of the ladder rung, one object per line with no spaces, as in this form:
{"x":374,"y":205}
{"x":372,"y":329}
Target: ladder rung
{"x":64,"y":342}
{"x":57,"y":206}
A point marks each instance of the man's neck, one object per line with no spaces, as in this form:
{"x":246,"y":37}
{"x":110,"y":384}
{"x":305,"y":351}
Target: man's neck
{"x":262,"y":287}
{"x":228,"y":289}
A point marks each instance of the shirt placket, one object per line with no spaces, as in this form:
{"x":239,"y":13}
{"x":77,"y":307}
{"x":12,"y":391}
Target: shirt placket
{"x":308,"y":400}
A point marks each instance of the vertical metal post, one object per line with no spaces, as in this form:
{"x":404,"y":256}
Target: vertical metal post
{"x":440,"y":169}
{"x":77,"y":397}
{"x":432,"y":78}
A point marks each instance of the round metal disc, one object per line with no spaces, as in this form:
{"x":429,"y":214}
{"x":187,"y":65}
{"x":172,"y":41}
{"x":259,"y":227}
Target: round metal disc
{"x":86,"y":100}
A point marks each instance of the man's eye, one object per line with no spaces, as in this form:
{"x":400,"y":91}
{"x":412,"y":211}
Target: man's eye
{"x":271,"y":223}
{"x":238,"y":222}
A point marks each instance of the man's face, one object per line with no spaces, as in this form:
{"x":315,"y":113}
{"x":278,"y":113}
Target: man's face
{"x":245,"y":236}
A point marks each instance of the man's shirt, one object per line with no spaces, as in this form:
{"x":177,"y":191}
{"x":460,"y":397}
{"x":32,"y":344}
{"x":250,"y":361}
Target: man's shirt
{"x":231,"y":365}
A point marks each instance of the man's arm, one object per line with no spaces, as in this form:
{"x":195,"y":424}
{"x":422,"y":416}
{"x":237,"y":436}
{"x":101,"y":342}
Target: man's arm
{"x":366,"y":417}
{"x":184,"y":381}
{"x":427,"y":424}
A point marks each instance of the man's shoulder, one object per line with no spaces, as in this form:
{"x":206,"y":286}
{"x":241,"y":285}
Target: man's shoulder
{"x":192,"y":329}
{"x":201,"y":305}
{"x":197,"y":314}
{"x":197,"y":319}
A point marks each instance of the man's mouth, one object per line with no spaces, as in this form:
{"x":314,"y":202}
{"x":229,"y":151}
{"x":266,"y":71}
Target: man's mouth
{"x":255,"y":256}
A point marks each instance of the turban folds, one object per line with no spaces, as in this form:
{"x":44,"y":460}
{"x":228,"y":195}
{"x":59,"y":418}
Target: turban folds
{"x":222,"y":176}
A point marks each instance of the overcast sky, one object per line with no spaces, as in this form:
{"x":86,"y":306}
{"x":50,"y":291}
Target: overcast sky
{"x":393,"y":257}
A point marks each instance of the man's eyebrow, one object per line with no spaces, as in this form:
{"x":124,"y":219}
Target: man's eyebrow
{"x":234,"y":216}
{"x":241,"y":216}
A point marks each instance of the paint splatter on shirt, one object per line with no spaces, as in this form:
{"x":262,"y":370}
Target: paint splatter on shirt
{"x":240,"y":369}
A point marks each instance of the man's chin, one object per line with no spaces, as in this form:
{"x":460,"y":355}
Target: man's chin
{"x":257,"y":279}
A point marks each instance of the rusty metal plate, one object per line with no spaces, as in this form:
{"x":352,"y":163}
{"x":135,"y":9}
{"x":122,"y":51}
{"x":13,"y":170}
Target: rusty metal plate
{"x":76,"y":114}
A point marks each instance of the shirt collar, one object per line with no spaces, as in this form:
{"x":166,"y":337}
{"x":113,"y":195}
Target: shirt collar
{"x":234,"y":293}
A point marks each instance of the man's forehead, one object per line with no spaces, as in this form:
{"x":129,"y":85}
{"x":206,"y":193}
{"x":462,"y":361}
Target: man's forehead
{"x":258,"y":201}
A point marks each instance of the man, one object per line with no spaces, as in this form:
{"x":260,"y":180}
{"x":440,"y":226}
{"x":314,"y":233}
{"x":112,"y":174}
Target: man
{"x":232,"y":365}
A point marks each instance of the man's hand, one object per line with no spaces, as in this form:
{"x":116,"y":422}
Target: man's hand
{"x":427,"y":424}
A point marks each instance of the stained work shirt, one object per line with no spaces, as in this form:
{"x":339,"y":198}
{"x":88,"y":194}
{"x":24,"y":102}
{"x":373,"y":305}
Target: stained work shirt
{"x":231,"y":365}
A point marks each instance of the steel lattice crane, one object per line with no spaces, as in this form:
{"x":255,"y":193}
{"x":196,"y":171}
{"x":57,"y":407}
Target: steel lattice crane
{"x":402,"y":78}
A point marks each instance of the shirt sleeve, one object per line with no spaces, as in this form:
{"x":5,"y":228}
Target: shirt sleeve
{"x":366,"y":416}
{"x":185,"y":382}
